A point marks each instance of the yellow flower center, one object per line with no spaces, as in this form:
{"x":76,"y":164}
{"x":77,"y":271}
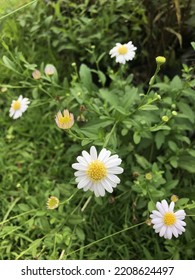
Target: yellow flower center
{"x":52,"y":202}
{"x":64,"y":120}
{"x":16,"y":106}
{"x":122,"y":49}
{"x":96,"y":170}
{"x":169,"y":219}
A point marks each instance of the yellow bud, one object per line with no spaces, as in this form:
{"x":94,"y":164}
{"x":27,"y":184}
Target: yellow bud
{"x":165,"y":119}
{"x":160,"y":60}
{"x":174,"y":113}
{"x":174,"y":198}
{"x":148,"y":176}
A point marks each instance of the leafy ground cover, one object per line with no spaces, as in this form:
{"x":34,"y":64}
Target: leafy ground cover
{"x":136,"y":110}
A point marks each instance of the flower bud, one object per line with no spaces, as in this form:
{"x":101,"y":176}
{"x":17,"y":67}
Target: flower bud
{"x":174,"y":113}
{"x":165,"y":118}
{"x":160,"y":60}
{"x":36,"y":74}
{"x":148,"y":176}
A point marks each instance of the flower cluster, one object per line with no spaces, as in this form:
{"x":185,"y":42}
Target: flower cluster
{"x":98,"y":173}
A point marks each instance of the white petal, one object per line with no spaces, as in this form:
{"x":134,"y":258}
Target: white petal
{"x":165,"y":205}
{"x":115,"y":170}
{"x":157,"y":213}
{"x":83,"y":183}
{"x":93,"y":153}
{"x":101,"y":190}
{"x":80,"y":178}
{"x":157,"y":220}
{"x":96,"y":191}
{"x":169,"y":233}
{"x":180,"y":214}
{"x":80,"y":173}
{"x":17,"y":114}
{"x":82,"y":160}
{"x":104,"y":154}
{"x":20,"y":98}
{"x":171,"y":206}
{"x":121,"y":59}
{"x":11,"y":112}
{"x":160,"y":208}
{"x":113,"y":178}
{"x":87,"y":156}
{"x":179,"y":226}
{"x":162,"y":231}
{"x":107,"y":186}
{"x":113,"y":163}
{"x":175,"y":231}
{"x":158,"y":226}
{"x":79,"y":166}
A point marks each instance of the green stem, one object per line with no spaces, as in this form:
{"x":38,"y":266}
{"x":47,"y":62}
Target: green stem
{"x":109,"y":135}
{"x":104,"y":238}
{"x":67,"y":200}
{"x":20,"y":8}
{"x":14,"y":217}
{"x":86,"y":203}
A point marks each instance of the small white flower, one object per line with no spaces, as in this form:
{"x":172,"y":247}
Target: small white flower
{"x":166,"y":222}
{"x":97,"y":172}
{"x":124,"y":52}
{"x":18,"y":107}
{"x":64,"y":121}
{"x":49,"y":69}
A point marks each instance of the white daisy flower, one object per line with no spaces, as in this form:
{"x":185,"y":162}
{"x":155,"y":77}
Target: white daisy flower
{"x":97,"y":172}
{"x":18,"y":107}
{"x":124,"y":52}
{"x":166,"y":222}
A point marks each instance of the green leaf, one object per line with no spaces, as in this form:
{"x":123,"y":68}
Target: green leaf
{"x":80,"y":233}
{"x":193,"y":45}
{"x":148,"y":107}
{"x":109,"y":97}
{"x":8,"y":63}
{"x":136,"y":137}
{"x":102,"y":77}
{"x":86,"y":77}
{"x":151,"y":206}
{"x":159,"y":127}
{"x":173,"y":146}
{"x":187,"y":163}
{"x":131,"y":94}
{"x":176,"y":83}
{"x":159,"y":139}
{"x":142,"y":162}
{"x":187,"y":111}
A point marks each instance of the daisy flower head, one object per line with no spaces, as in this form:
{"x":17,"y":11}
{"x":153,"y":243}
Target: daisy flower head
{"x":166,"y":222}
{"x":97,"y":173}
{"x":36,"y":74}
{"x":18,"y":107}
{"x":123,"y":52}
{"x":49,"y":69}
{"x":64,"y":121}
{"x":52,"y":202}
